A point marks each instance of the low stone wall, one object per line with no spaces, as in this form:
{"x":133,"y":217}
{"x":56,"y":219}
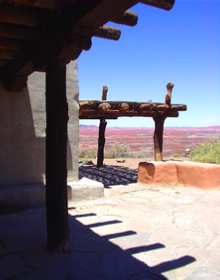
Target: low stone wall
{"x":199,"y":175}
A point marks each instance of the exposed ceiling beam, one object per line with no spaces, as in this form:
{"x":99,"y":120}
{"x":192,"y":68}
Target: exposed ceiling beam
{"x":51,"y":41}
{"x":163,"y":4}
{"x":46,"y":4}
{"x":128,"y":18}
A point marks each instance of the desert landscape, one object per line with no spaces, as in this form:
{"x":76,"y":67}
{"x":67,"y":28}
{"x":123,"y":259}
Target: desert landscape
{"x":140,"y":140}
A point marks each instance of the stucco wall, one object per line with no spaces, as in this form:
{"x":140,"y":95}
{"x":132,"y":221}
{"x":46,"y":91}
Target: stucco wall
{"x":22,"y":131}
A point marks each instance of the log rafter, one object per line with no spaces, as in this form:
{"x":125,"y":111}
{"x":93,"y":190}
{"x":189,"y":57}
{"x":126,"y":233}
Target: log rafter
{"x":36,"y":31}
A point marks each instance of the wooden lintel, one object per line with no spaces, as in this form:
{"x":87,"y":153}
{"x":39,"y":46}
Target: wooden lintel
{"x":128,"y":18}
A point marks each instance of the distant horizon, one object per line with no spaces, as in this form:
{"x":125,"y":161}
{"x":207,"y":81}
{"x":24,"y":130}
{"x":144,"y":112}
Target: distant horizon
{"x":211,"y":126}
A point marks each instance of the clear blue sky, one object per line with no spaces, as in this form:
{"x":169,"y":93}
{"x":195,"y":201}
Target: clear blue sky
{"x":181,"y":46}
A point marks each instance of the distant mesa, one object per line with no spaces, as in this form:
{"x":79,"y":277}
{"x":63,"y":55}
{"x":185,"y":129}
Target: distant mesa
{"x":87,"y":126}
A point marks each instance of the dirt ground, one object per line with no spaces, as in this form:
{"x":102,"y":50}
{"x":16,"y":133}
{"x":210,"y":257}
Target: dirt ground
{"x":133,"y":162}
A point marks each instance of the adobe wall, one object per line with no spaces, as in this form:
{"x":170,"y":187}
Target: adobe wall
{"x":22,"y":131}
{"x":199,"y":175}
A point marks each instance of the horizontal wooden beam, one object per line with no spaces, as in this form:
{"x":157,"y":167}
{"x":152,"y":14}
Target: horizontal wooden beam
{"x":128,"y":18}
{"x":135,"y":106}
{"x":107,"y":32}
{"x":24,"y":16}
{"x":163,"y":4}
{"x":18,"y":32}
{"x":46,"y":4}
{"x":51,"y":41}
{"x":114,"y":114}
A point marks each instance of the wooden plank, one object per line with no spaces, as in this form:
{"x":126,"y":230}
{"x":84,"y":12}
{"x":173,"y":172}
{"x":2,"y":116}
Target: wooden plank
{"x":58,"y":232}
{"x":128,"y":18}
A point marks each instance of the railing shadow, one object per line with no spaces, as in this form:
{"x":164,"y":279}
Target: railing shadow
{"x":109,"y":175}
{"x":92,"y":256}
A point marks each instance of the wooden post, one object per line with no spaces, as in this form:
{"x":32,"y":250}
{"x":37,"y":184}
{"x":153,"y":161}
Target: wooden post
{"x":159,"y":125}
{"x":58,"y":232}
{"x":158,"y":137}
{"x":101,"y":140}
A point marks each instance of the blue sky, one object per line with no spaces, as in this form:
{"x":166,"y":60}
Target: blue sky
{"x":181,"y":46}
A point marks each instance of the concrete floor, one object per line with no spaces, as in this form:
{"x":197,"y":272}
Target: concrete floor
{"x":136,"y":232}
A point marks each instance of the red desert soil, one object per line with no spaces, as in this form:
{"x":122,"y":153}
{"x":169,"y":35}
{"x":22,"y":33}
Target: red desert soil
{"x":133,"y":162}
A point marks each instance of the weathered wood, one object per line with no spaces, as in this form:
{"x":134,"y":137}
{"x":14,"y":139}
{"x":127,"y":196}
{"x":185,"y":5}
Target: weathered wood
{"x":179,"y":107}
{"x":104,"y":92}
{"x":163,"y":4}
{"x":101,"y":143}
{"x":128,"y":18}
{"x":169,"y":94}
{"x":58,"y":232}
{"x":158,"y":137}
{"x":147,"y":106}
{"x":114,"y":114}
{"x":48,"y":4}
{"x":18,"y":32}
{"x":104,"y":107}
{"x":107,"y":32}
{"x":51,"y":40}
{"x":159,"y":124}
{"x":86,"y":104}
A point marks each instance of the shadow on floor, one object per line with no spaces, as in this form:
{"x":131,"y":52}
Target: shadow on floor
{"x":92,"y":256}
{"x":109,"y":175}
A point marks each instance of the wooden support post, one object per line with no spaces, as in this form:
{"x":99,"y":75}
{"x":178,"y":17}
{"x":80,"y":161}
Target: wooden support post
{"x":158,"y":137}
{"x":159,"y":125}
{"x":101,"y":140}
{"x":101,"y":143}
{"x":58,"y":232}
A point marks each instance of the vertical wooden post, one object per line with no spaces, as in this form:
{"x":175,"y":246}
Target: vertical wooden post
{"x":101,"y":140}
{"x":58,"y":232}
{"x":158,"y":137}
{"x":159,"y":125}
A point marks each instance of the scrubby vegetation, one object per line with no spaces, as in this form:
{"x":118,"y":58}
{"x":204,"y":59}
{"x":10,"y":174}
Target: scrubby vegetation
{"x":115,"y":150}
{"x":208,"y":152}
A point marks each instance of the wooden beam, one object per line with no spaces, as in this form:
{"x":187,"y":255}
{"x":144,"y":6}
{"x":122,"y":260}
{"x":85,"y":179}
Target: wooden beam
{"x":58,"y":232}
{"x":114,"y":114}
{"x":105,"y":31}
{"x":103,"y":107}
{"x":12,"y":44}
{"x":108,"y":32}
{"x":48,"y":4}
{"x":25,"y":17}
{"x":163,"y":4}
{"x":128,"y":18}
{"x":51,"y":41}
{"x":18,"y":32}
